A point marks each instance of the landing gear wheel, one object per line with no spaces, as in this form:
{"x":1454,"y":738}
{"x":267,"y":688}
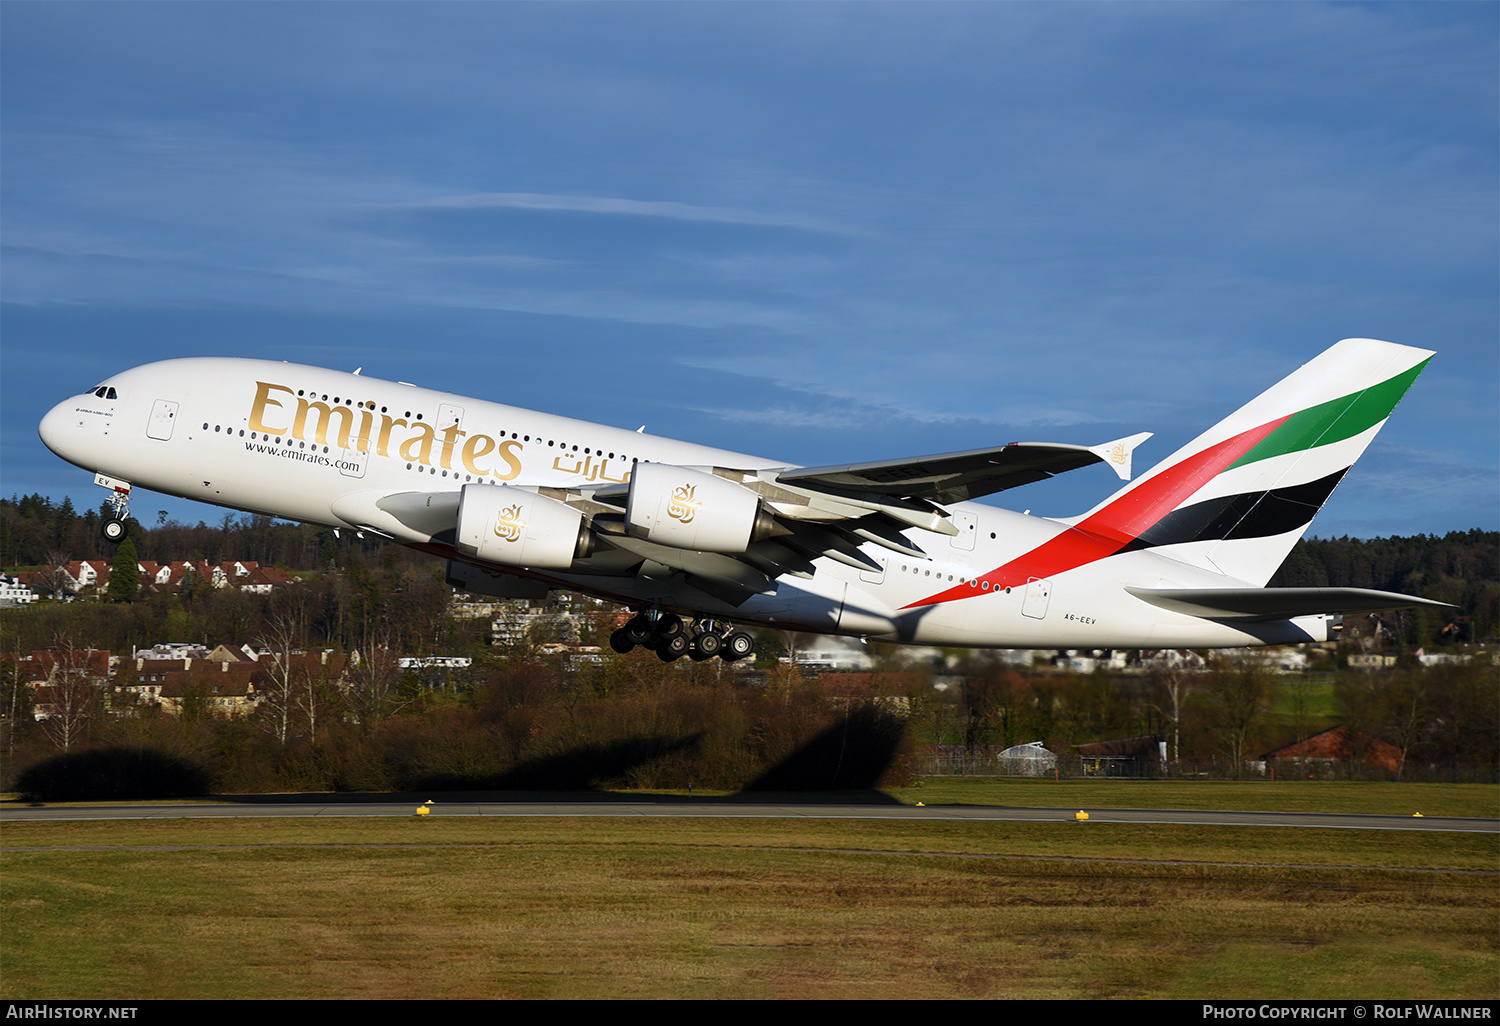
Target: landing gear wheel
{"x":668,"y":625}
{"x":737,"y":646}
{"x":707,"y":645}
{"x":113,"y":531}
{"x":673,"y":648}
{"x":638,"y":630}
{"x":621,"y":641}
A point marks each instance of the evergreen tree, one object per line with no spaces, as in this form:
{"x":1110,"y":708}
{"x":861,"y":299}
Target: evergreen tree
{"x":125,"y":576}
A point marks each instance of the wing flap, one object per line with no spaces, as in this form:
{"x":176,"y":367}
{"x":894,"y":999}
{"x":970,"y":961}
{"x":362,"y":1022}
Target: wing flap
{"x":725,"y":571}
{"x":956,"y":476}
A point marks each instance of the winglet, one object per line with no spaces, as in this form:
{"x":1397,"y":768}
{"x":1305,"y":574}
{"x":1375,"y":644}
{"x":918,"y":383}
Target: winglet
{"x":1117,"y":453}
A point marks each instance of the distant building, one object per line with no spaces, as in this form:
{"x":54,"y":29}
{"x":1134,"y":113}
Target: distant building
{"x":224,"y":689}
{"x":1441,"y":658}
{"x":1023,"y":657}
{"x":1172,"y":659}
{"x":827,"y":652}
{"x":1331,"y":754}
{"x":1076,"y":661}
{"x":1125,"y":757}
{"x":1028,"y":760}
{"x":1284,"y":658}
{"x":246,"y":575}
{"x":176,"y":651}
{"x":434,"y":662}
{"x":13,"y":592}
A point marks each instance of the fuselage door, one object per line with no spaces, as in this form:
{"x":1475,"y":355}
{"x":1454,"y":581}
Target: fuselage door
{"x":1038,"y":594}
{"x":163,"y":417}
{"x":449,"y":414}
{"x":968,"y":529}
{"x":353,"y":462}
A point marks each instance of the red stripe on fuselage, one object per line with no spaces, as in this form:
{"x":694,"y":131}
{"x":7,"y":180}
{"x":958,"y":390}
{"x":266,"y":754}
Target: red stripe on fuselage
{"x":1116,"y":525}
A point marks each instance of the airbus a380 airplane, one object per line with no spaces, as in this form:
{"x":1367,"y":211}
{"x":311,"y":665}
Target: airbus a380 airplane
{"x":519,"y":501}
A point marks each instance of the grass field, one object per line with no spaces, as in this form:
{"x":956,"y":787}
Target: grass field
{"x":1373,"y":798}
{"x":625,"y":907}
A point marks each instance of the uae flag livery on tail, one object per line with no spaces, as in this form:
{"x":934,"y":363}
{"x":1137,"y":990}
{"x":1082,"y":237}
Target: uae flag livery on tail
{"x":1235,"y":499}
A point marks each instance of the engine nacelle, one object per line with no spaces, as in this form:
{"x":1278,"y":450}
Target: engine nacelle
{"x":501,"y":524}
{"x":689,"y":509}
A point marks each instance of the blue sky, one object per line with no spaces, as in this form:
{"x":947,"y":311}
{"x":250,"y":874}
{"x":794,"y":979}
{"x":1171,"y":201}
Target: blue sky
{"x":823,"y":233}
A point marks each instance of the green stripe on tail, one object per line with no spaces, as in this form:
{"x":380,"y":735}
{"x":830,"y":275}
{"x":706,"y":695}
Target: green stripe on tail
{"x":1334,"y":420}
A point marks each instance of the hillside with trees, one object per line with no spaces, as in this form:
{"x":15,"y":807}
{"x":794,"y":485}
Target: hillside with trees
{"x":1461,"y":567}
{"x":330,"y":711}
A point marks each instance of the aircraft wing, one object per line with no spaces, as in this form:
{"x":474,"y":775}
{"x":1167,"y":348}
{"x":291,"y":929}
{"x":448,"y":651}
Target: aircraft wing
{"x":1277,"y":603}
{"x":808,"y":512}
{"x":956,"y":476}
{"x":832,"y":511}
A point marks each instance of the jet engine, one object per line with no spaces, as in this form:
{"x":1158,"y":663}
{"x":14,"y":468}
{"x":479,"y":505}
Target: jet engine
{"x":501,"y":524}
{"x":689,"y":509}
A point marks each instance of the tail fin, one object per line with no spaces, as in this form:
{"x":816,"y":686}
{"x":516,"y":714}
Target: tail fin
{"x":1236,"y":498}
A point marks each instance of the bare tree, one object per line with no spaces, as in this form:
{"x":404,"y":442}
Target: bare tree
{"x":787,"y":676}
{"x":1301,"y":710}
{"x":53,"y":577}
{"x":282,"y":638}
{"x":1239,"y":689}
{"x":1358,"y":699}
{"x":310,"y":693}
{"x":17,"y":701}
{"x":371,"y":693}
{"x":75,"y":696}
{"x":1408,"y":714}
{"x":1174,"y":682}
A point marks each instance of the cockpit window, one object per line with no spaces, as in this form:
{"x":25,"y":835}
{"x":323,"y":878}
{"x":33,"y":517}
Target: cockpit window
{"x":112,"y":394}
{"x":105,"y":392}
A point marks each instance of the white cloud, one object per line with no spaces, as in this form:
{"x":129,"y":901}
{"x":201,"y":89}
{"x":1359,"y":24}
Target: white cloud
{"x":623,"y":207}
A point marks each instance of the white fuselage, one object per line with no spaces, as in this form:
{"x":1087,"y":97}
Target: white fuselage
{"x":312,"y":445}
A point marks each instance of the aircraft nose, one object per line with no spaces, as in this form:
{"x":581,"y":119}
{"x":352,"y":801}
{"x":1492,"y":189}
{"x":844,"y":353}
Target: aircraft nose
{"x":59,"y":428}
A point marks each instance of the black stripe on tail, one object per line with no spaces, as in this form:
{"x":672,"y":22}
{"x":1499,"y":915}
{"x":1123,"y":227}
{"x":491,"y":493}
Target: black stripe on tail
{"x":1246,"y":515}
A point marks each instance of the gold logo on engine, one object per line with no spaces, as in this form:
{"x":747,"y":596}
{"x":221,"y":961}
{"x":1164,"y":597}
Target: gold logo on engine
{"x":681,"y":506}
{"x":509,"y":525}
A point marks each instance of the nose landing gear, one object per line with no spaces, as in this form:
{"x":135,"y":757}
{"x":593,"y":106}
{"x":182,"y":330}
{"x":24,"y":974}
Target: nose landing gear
{"x":113,"y":529}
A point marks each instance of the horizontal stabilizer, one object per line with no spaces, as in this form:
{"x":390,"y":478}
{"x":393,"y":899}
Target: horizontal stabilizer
{"x":1276,"y":603}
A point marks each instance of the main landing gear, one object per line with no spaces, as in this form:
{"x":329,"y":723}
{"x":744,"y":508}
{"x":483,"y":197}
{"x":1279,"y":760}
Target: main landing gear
{"x":667,"y":636}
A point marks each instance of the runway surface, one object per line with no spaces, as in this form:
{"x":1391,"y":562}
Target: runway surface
{"x":737,"y":808}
